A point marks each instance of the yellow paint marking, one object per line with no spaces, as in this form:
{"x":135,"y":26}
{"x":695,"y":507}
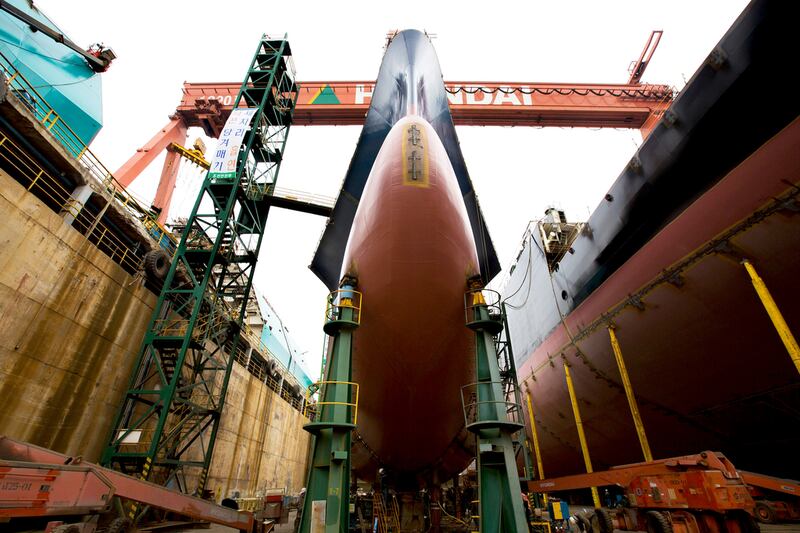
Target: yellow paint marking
{"x":416,"y":163}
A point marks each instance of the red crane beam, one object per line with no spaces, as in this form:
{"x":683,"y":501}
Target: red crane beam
{"x":472,"y":104}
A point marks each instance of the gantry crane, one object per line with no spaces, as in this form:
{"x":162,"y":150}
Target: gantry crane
{"x":330,"y":103}
{"x":167,"y":426}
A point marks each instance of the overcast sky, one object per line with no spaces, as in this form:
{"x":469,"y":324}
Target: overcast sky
{"x":517,"y":172}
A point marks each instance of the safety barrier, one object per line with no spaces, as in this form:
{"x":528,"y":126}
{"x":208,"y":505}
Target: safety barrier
{"x":317,"y":411}
{"x":44,"y":113}
{"x":477,"y":410}
{"x":342,"y":299}
{"x":52,"y":192}
{"x":478,"y":299}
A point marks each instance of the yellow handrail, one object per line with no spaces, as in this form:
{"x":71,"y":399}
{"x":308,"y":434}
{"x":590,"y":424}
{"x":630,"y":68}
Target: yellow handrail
{"x":44,"y":113}
{"x":341,"y":299}
{"x":480,"y":298}
{"x":51,"y":191}
{"x":316,"y":407}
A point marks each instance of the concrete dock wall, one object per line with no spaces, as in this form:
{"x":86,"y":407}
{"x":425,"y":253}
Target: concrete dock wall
{"x":261,"y":443}
{"x":71,"y":323}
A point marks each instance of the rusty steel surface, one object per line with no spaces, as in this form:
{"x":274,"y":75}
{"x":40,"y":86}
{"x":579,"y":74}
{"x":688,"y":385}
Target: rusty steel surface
{"x":638,"y":106}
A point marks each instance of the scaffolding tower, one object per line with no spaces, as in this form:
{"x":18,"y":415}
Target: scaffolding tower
{"x":167,"y":425}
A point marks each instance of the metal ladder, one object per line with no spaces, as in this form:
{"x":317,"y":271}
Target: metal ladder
{"x":388,"y":519}
{"x":166,"y":428}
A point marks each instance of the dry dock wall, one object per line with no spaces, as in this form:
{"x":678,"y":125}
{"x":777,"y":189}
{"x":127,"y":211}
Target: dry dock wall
{"x":71,"y":321}
{"x":261,"y":443}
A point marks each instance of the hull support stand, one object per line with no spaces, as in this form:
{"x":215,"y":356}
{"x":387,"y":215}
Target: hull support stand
{"x":774,"y":314}
{"x":333,"y":417}
{"x":492,"y":411}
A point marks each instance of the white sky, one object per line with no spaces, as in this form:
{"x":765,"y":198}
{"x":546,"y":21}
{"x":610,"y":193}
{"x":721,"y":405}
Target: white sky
{"x":517,"y":172}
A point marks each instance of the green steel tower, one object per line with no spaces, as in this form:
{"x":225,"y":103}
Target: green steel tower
{"x":326,"y":505}
{"x":492,"y":411}
{"x":167,"y":426}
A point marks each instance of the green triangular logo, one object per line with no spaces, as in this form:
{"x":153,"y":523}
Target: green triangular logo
{"x":325,"y":96}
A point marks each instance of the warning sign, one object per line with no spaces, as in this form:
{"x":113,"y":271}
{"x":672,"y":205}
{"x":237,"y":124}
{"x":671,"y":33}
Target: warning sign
{"x":223,"y":165}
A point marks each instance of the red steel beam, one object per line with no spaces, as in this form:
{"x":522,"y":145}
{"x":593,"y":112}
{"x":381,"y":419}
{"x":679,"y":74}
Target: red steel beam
{"x":41,"y":482}
{"x":174,"y":131}
{"x":471,"y":103}
{"x":625,"y":474}
{"x":341,"y":103}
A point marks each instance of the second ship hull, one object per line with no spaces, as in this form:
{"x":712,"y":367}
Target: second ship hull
{"x":660,"y":260}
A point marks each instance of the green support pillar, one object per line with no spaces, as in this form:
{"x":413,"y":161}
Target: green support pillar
{"x":492,"y":413}
{"x":326,"y":505}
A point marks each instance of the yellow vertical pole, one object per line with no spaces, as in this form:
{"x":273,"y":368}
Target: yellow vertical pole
{"x":536,"y":449}
{"x":626,"y":382}
{"x":581,"y":436}
{"x":774,"y":314}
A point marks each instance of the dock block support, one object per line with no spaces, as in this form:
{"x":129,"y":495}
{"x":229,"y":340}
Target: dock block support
{"x":488,"y":415}
{"x":326,"y":505}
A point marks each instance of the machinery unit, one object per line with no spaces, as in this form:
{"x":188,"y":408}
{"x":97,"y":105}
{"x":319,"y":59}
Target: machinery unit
{"x":42,"y":489}
{"x":777,"y":500}
{"x":700,"y":493}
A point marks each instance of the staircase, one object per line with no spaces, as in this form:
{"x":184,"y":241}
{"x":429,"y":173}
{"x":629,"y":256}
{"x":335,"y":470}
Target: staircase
{"x":388,"y":515}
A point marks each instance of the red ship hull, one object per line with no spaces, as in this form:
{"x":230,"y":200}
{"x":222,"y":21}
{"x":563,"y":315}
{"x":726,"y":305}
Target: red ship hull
{"x":412,"y":251}
{"x":705,"y":361}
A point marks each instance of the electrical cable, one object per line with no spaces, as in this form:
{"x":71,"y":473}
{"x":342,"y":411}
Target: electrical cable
{"x":63,"y":84}
{"x":43,"y":55}
{"x":528,"y":272}
{"x":441,"y":507}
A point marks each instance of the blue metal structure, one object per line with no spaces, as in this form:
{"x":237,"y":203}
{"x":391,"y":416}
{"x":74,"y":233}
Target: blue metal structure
{"x":60,"y":75}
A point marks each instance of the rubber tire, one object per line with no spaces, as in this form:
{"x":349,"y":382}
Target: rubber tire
{"x":119,"y":525}
{"x":604,"y":522}
{"x":584,"y":524}
{"x":765,"y":513}
{"x":657,"y":522}
{"x":230,"y":503}
{"x":156,"y":264}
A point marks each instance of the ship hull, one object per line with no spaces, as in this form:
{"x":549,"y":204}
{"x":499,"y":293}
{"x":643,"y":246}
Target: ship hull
{"x":412,"y":251}
{"x":408,"y":226}
{"x":707,"y":366}
{"x":660,"y":260}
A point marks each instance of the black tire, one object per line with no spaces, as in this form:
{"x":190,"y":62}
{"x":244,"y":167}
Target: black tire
{"x":156,"y":264}
{"x":765,"y":513}
{"x":119,"y":525}
{"x":657,"y":522}
{"x":584,"y":524}
{"x":605,"y":524}
{"x":230,"y":503}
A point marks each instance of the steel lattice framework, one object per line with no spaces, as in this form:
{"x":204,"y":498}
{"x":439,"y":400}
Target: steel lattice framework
{"x":166,"y":428}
